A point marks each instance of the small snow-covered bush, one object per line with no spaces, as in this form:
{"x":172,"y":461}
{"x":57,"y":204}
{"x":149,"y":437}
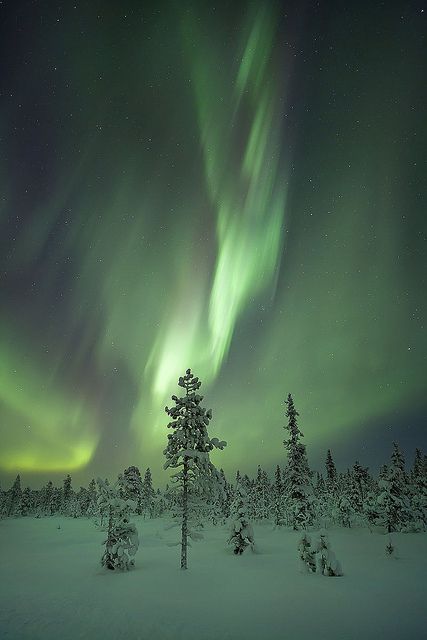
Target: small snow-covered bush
{"x":306,"y":554}
{"x":326,"y":562}
{"x":242,"y":536}
{"x":390,"y":548}
{"x":241,"y":531}
{"x":122,"y":536}
{"x":121,"y":544}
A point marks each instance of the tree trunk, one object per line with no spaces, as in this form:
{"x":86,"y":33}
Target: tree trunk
{"x":184,"y":530}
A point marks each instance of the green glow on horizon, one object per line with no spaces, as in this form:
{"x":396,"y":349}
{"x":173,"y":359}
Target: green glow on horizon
{"x":47,"y":429}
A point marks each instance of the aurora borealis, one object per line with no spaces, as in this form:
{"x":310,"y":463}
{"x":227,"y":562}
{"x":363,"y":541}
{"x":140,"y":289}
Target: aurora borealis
{"x":238,"y":188}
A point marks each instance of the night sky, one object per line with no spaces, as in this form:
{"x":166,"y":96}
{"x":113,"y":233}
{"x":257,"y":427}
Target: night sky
{"x":235,"y":187}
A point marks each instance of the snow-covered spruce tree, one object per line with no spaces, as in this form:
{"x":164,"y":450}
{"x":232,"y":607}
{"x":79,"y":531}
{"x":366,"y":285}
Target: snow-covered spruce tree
{"x":298,"y":472}
{"x":56,"y":500}
{"x":159,"y":504}
{"x":217,"y":498}
{"x":82,"y":497}
{"x":27,"y":502}
{"x":306,"y":554}
{"x":241,"y":531}
{"x":92,"y":508}
{"x":227,"y":494}
{"x":188,"y":445}
{"x":361,"y":483}
{"x":39,"y":502}
{"x":34,"y":502}
{"x":148,"y":495}
{"x":261,"y":495}
{"x":278,"y":498}
{"x":330,"y":497}
{"x":67,"y":496}
{"x":122,"y":536}
{"x":287,"y":504}
{"x":326,"y":562}
{"x":75,"y":508}
{"x":393,"y":497}
{"x":249,"y":485}
{"x":418,"y":492}
{"x":13,"y":500}
{"x":205,"y":496}
{"x":419,"y":466}
{"x":331,"y":472}
{"x":321,"y":503}
{"x":343,"y":511}
{"x":370,"y":506}
{"x":169,"y":498}
{"x":356,"y":490}
{"x":102,"y":504}
{"x":46,"y":503}
{"x":131,"y":486}
{"x":121,"y":487}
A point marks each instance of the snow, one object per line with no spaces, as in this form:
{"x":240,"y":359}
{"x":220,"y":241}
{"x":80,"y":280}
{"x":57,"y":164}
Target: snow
{"x":52,"y":585}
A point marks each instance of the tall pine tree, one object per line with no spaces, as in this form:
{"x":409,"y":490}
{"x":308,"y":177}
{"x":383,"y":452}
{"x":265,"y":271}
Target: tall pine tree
{"x":67,"y":495}
{"x":131,"y":486}
{"x":331,"y":471}
{"x":298,"y":472}
{"x":393,"y":498}
{"x":13,"y":501}
{"x":418,"y":491}
{"x":147,"y":495}
{"x":278,"y":498}
{"x":189,"y":445}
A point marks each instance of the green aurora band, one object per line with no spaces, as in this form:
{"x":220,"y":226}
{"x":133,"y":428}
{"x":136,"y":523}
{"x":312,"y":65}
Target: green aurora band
{"x":247,"y":195}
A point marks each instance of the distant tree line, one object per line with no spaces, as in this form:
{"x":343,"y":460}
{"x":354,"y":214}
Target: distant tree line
{"x":295,"y":497}
{"x":54,"y":501}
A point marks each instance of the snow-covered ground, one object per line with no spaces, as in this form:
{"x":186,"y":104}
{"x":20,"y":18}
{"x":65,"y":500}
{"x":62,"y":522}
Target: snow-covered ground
{"x":53,"y":587}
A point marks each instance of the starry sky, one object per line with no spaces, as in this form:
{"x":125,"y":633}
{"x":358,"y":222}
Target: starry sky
{"x":239,"y":188}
